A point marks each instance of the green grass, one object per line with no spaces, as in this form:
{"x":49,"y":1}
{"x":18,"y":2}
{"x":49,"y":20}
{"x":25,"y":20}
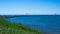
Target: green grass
{"x":13,"y":28}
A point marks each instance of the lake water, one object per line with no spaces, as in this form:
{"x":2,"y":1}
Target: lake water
{"x":47,"y":23}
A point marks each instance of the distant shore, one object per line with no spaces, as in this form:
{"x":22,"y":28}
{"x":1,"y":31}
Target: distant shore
{"x":12,"y":16}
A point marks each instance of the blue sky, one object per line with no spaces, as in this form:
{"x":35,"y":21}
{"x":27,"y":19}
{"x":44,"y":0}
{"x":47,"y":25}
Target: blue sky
{"x":18,"y":7}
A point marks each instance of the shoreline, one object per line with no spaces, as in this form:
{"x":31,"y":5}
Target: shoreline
{"x":12,"y":16}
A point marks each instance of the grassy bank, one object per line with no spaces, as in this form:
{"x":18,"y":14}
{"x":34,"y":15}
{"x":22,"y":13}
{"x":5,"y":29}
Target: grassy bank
{"x":13,"y":28}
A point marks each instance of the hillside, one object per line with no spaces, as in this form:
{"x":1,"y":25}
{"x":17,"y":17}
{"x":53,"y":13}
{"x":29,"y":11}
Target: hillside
{"x":13,"y":28}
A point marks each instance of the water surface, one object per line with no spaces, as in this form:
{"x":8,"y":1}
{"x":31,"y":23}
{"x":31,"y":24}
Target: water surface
{"x":47,"y":23}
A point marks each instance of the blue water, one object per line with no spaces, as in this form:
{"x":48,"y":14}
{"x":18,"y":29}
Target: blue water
{"x":47,"y":23}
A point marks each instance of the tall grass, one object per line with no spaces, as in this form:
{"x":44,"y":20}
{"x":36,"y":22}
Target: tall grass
{"x":13,"y":28}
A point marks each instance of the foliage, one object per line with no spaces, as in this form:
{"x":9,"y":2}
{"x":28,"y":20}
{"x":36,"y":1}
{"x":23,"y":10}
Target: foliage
{"x":13,"y":28}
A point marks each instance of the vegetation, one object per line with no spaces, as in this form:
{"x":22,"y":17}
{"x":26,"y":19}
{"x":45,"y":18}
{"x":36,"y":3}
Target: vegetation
{"x":13,"y":28}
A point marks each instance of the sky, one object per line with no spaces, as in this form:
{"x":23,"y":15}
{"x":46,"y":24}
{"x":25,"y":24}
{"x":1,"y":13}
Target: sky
{"x":30,"y":7}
